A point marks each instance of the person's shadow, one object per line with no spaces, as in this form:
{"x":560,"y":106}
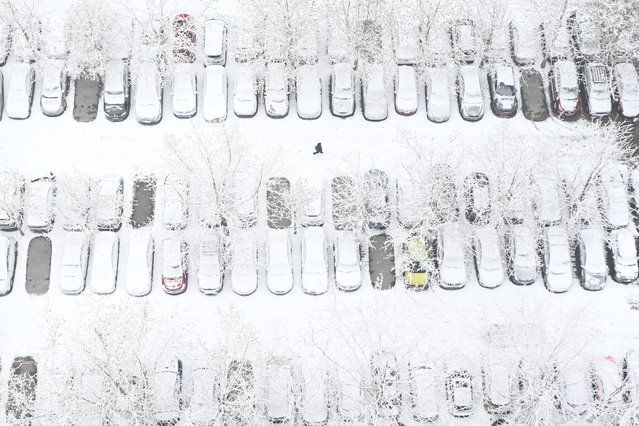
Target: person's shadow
{"x":318,"y":149}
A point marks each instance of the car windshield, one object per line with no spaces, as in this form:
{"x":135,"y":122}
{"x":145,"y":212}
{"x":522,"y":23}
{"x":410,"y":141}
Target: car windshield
{"x":505,"y":90}
{"x":569,"y":92}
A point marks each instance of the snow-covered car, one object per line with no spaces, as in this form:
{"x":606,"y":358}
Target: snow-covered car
{"x":548,"y":203}
{"x":374,"y":102}
{"x":12,"y":204}
{"x":463,"y":41}
{"x":575,"y":389}
{"x":477,"y":198}
{"x":626,"y":92}
{"x":215,"y":41}
{"x":591,"y":258}
{"x":564,"y":88}
{"x":470,"y":97}
{"x":488,"y":257}
{"x":450,"y":257}
{"x":210,"y":270}
{"x":247,"y":45}
{"x":166,"y":391}
{"x":276,"y":90}
{"x":557,"y":43}
{"x":496,"y":382}
{"x":417,"y":258}
{"x":614,"y":197}
{"x":184,"y":91}
{"x":607,"y":383}
{"x":587,"y":33}
{"x":176,"y":204}
{"x":214,"y":100}
{"x":279,"y":255}
{"x":347,"y":251}
{"x":174,"y":266}
{"x":105,"y":255}
{"x":597,"y":90}
{"x":385,"y":386}
{"x":308,"y":92}
{"x":245,"y":94}
{"x":557,"y":269}
{"x":522,"y":255}
{"x":239,"y":399}
{"x":503,"y":92}
{"x":9,"y":253}
{"x":630,"y":371}
{"x":376,"y":201}
{"x":5,"y":42}
{"x":74,"y":263}
{"x":108,"y":207}
{"x":139,"y":267}
{"x":459,"y":393}
{"x":622,"y":247}
{"x":205,"y":401}
{"x":437,"y":95}
{"x":279,"y":398}
{"x":350,"y":407}
{"x":245,"y":199}
{"x":306,"y":46}
{"x":40,"y":202}
{"x":244,"y":266}
{"x":423,"y":380}
{"x":312,"y":209}
{"x":500,"y":46}
{"x":314,"y":261}
{"x":20,"y":93}
{"x":53,"y":96}
{"x":72,"y":201}
{"x":443,"y":193}
{"x":525,"y":41}
{"x":406,"y":90}
{"x":315,"y":395}
{"x":407,"y":49}
{"x":116,"y":90}
{"x":342,"y":90}
{"x":410,"y":202}
{"x":148,"y":94}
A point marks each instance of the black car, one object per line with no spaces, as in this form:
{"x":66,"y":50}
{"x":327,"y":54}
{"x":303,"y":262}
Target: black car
{"x":503,"y":92}
{"x":477,"y":198}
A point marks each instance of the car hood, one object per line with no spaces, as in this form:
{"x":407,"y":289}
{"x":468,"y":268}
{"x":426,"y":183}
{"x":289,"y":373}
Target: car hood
{"x":114,"y":99}
{"x":453,"y":275}
{"x":150,"y":110}
{"x":600,"y":105}
{"x":18,"y":108}
{"x":184,"y":104}
{"x":309,"y":106}
{"x":71,"y":280}
{"x":559,"y":282}
{"x":491,"y":278}
{"x":277,"y":107}
{"x":348,"y":278}
{"x":630,"y":108}
{"x":568,"y":104}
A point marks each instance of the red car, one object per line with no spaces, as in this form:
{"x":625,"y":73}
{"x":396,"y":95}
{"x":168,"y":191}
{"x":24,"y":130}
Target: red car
{"x":185,"y":39}
{"x":174,"y":266}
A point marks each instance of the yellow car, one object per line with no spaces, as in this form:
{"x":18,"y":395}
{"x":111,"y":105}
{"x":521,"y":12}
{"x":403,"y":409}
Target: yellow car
{"x":416,"y":271}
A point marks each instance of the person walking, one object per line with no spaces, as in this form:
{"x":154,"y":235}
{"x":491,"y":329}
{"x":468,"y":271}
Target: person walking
{"x":318,"y":149}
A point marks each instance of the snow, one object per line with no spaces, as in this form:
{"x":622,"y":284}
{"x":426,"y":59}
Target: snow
{"x":105,"y":252}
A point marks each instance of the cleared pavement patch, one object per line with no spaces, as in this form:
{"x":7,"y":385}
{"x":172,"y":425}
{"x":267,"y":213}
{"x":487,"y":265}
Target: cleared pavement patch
{"x":38,"y":275}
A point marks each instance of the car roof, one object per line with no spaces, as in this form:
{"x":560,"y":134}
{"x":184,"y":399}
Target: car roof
{"x":567,"y":71}
{"x":505,"y":75}
{"x":113,"y":75}
{"x":626,"y":245}
{"x":470,"y":74}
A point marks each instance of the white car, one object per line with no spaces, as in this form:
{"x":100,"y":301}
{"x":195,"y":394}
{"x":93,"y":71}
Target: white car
{"x":464,"y":41}
{"x":166,"y":388}
{"x":342,"y":90}
{"x":374,"y":102}
{"x":406,"y":90}
{"x":471,"y":98}
{"x":244,"y":265}
{"x":314,"y":261}
{"x":407,"y":48}
{"x":174,"y":266}
{"x":12,"y":204}
{"x":437,"y":96}
{"x":607,"y":383}
{"x":459,"y":393}
{"x":347,"y":251}
{"x":597,"y":90}
{"x":40,"y":202}
{"x":556,"y":267}
{"x":215,"y":94}
{"x":488,"y":258}
{"x":560,"y":47}
{"x":522,"y":255}
{"x":53,"y":98}
{"x":245,"y":94}
{"x":247,"y":45}
{"x":422,"y":384}
{"x":548,"y":205}
{"x":614,"y":196}
{"x":279,"y":398}
{"x":575,"y":386}
{"x":204,"y":407}
{"x":312,"y":209}
{"x":148,"y":94}
{"x":314,"y":400}
{"x":496,"y":381}
{"x":9,"y":250}
{"x":73,"y":197}
{"x":623,"y":251}
{"x":350,"y":404}
{"x":276,"y":90}
{"x":525,"y":41}
{"x":176,"y":205}
{"x":210,"y":271}
{"x":108,"y":207}
{"x":450,"y":257}
{"x":184,"y":91}
{"x":627,"y":90}
{"x":308,"y":92}
{"x":74,"y":263}
{"x":592,"y":259}
{"x":215,"y":41}
{"x":139,"y":267}
{"x":20,"y":93}
{"x":245,"y":199}
{"x":410,"y":202}
{"x":105,"y":256}
{"x":279,"y":255}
